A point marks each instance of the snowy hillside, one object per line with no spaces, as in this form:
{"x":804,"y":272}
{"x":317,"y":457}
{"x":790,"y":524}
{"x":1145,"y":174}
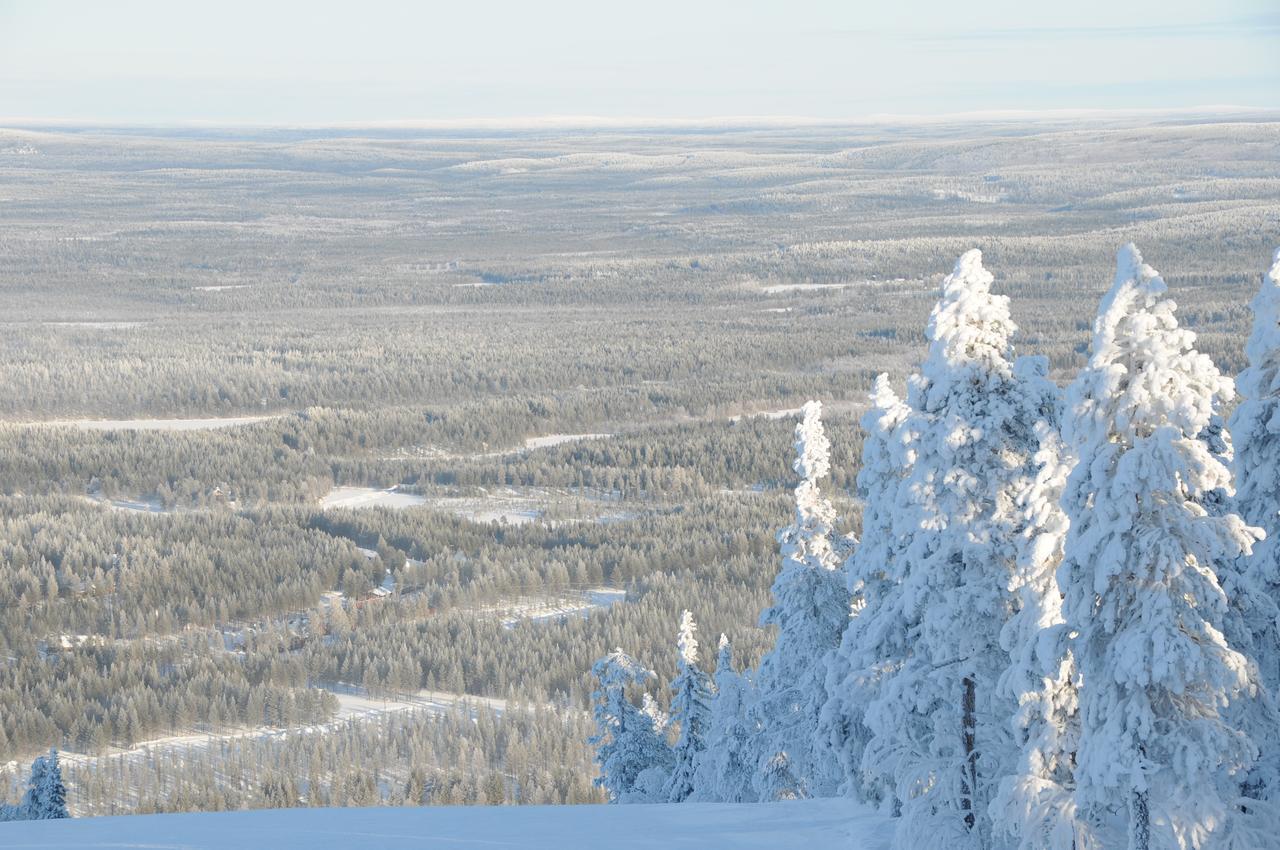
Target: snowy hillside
{"x":801,"y":824}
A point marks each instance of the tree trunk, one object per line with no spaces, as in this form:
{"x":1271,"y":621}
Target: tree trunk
{"x":1139,"y":821}
{"x":968,"y":727}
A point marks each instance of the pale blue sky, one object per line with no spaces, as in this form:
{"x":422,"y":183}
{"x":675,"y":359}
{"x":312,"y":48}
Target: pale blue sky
{"x":370,"y":61}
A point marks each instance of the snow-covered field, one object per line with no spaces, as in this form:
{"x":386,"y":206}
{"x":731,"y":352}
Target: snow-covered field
{"x":558,"y":439}
{"x":369,"y":497}
{"x":105,"y":325}
{"x":777,"y":288}
{"x":534,"y":609}
{"x":793,"y":825}
{"x":784,"y":413}
{"x":143,"y":506}
{"x":508,"y":505}
{"x":354,"y":703}
{"x":156,"y":424}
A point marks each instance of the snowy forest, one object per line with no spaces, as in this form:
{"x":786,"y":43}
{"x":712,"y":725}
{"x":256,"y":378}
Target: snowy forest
{"x":1059,"y":626}
{"x":333,"y":459}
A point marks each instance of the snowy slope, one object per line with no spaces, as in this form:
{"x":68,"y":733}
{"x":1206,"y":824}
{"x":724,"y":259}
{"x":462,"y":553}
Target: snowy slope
{"x":796,"y":825}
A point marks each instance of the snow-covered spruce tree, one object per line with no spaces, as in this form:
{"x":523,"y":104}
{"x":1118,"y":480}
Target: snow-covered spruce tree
{"x":725,"y":770}
{"x":939,"y":719}
{"x":874,"y":641}
{"x":1139,"y":578}
{"x":634,"y":759}
{"x":777,"y":781}
{"x":661,"y":720}
{"x":46,"y":795}
{"x":691,"y":708}
{"x":811,"y":609}
{"x":1251,"y":626}
{"x":1255,"y":429}
{"x":1033,"y":805}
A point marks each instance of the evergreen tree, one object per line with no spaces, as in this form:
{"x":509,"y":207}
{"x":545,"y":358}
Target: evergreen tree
{"x":1033,"y":805}
{"x":1255,"y":427}
{"x":634,"y":759}
{"x":875,"y":641}
{"x":46,"y":795}
{"x":725,"y":769}
{"x":811,"y":609}
{"x":1250,"y":626}
{"x":1139,"y":577}
{"x":691,"y":708}
{"x":940,"y":719}
{"x":777,"y":781}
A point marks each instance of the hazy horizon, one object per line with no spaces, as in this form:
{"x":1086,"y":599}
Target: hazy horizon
{"x":331,"y":63}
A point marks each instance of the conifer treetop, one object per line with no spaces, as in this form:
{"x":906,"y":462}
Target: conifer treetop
{"x":1263,"y":347}
{"x":969,"y":334}
{"x":686,"y":643}
{"x":1142,"y":364}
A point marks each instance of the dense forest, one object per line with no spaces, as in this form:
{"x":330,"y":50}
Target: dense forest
{"x":298,"y":431}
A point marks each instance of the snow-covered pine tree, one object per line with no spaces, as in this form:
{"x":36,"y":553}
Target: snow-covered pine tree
{"x":1255,"y":429}
{"x":875,"y":640}
{"x":634,"y":758}
{"x":1033,"y":805}
{"x":691,"y":708}
{"x":811,"y":609}
{"x":724,"y":769}
{"x":939,"y":718}
{"x":1139,"y":578}
{"x":46,"y":795}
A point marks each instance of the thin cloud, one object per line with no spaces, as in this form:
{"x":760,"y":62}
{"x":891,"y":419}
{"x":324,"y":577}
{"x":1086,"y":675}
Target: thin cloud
{"x":1253,"y":26}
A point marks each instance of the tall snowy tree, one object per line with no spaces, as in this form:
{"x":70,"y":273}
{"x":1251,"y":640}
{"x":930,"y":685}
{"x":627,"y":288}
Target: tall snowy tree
{"x":874,"y":641}
{"x":634,"y":759}
{"x":1033,"y":805}
{"x":1251,"y":627}
{"x":725,"y":769}
{"x":46,"y":795}
{"x":1255,"y":428}
{"x":691,"y":708}
{"x":1140,"y":580}
{"x":811,"y":609}
{"x":939,"y":719}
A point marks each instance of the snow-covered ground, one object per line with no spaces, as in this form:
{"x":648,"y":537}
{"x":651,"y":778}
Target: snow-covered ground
{"x":354,"y":703}
{"x":105,"y":325}
{"x":792,"y":825}
{"x":509,"y":505}
{"x":496,"y":508}
{"x":534,"y":609}
{"x":143,"y":506}
{"x":505,"y":507}
{"x":558,"y":439}
{"x":369,"y":497}
{"x":784,"y":413}
{"x":777,"y":288}
{"x":156,"y":424}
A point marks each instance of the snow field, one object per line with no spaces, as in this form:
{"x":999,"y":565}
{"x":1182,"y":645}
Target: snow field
{"x":791,"y":825}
